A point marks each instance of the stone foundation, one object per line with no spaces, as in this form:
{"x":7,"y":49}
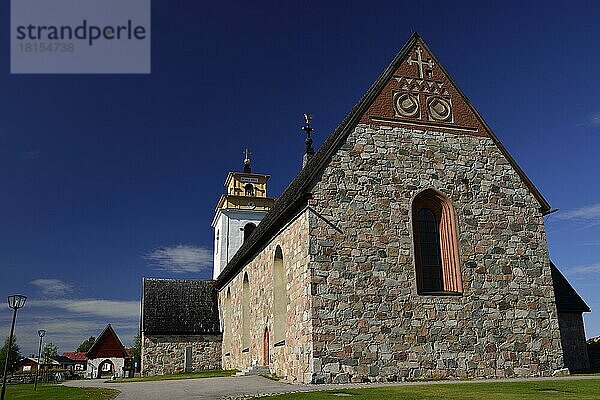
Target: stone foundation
{"x":165,"y":354}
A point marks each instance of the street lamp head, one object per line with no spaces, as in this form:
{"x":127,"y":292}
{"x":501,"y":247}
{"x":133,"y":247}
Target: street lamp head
{"x":16,"y":301}
{"x":41,"y":333}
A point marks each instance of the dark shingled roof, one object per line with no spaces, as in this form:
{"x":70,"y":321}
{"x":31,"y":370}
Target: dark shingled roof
{"x":567,"y":299}
{"x":176,"y":306}
{"x":297,"y":193}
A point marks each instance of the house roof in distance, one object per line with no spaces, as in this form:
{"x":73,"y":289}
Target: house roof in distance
{"x":296,"y":194}
{"x":567,"y":299}
{"x":65,"y":360}
{"x":34,"y":360}
{"x":76,"y":355}
{"x":178,"y":306}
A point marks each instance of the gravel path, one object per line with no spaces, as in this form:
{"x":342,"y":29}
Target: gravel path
{"x":238,"y":387}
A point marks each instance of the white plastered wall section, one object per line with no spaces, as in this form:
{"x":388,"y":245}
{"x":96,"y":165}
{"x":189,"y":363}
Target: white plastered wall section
{"x":229,"y":234}
{"x":94,"y":364}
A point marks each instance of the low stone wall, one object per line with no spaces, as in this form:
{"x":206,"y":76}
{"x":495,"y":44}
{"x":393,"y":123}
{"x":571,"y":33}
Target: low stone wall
{"x":165,"y":354}
{"x":43,"y":377}
{"x":572,"y":337}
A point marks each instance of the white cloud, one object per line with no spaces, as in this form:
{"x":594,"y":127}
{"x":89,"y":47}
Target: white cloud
{"x":181,"y":258}
{"x":589,"y":212}
{"x":52,"y":287}
{"x":30,"y":155}
{"x":594,"y":120}
{"x":584,"y":269}
{"x":95,"y":307}
{"x":68,"y":322}
{"x":580,"y":218}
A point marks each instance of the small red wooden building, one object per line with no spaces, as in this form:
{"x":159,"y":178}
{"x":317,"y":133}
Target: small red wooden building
{"x":107,"y":357}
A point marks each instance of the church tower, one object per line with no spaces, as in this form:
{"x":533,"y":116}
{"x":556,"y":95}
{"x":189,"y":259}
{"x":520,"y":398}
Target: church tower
{"x":238,"y":212}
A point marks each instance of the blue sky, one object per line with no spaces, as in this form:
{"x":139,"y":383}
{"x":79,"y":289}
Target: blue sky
{"x":105,"y":179}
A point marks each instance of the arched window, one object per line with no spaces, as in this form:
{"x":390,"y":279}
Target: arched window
{"x":248,"y":229}
{"x":436,"y":247}
{"x":279,"y":298}
{"x":249,"y":189}
{"x":245,"y":313}
{"x":227,"y":322}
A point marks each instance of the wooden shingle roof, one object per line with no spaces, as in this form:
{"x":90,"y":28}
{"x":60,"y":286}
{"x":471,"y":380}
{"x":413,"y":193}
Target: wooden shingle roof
{"x":177,"y":306}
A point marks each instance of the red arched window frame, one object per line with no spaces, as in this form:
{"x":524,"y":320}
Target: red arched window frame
{"x":435,"y":244}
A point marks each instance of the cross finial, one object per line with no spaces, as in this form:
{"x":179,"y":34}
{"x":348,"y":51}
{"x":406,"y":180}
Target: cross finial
{"x":308,"y":129}
{"x":247,"y":168}
{"x":419,"y":61}
{"x":309,"y":151}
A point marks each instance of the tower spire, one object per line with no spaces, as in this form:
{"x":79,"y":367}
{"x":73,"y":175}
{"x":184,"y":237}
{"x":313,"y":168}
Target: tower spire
{"x":309,"y":151}
{"x":247,"y":168}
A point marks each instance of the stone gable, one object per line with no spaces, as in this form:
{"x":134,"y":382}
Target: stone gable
{"x":372,"y":323}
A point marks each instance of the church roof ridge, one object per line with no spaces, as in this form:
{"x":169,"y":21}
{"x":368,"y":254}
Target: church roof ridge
{"x":181,"y":280}
{"x":296,"y":194}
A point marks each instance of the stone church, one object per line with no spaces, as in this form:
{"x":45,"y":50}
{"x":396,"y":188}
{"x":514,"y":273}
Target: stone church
{"x":411,"y":245}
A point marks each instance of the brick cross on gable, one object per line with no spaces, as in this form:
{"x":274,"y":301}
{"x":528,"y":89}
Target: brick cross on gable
{"x":419,"y":61}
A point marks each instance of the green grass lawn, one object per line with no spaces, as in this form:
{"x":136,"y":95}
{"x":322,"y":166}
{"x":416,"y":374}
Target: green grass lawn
{"x":192,"y":375}
{"x":58,"y":392}
{"x":547,"y":390}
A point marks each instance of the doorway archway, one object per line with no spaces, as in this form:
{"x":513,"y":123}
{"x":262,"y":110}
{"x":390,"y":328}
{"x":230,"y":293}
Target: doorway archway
{"x":106,"y":369}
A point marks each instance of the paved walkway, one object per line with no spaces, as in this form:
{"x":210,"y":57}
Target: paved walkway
{"x":217,"y":388}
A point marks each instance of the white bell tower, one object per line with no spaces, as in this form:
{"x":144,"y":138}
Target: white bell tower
{"x":238,"y":212}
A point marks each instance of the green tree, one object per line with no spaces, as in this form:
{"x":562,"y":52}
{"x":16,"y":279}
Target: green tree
{"x":86,"y":344}
{"x":136,"y":349}
{"x":49,"y":353}
{"x":15,"y":355}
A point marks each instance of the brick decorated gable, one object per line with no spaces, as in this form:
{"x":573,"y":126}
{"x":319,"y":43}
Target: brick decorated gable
{"x":420,"y":94}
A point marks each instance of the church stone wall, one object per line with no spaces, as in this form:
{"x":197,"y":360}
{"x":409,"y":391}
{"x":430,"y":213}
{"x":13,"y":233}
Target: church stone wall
{"x":292,"y":359}
{"x":370,"y":323}
{"x":165,"y":354}
{"x":572,"y":335}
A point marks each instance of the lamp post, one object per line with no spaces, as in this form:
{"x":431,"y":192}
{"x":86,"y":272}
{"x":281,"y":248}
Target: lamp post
{"x":15,"y":302}
{"x":41,"y":334}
